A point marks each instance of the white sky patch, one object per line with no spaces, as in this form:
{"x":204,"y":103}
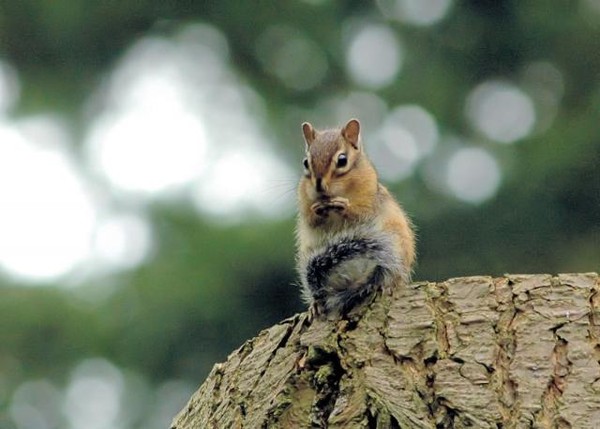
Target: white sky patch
{"x":473,"y":175}
{"x":501,"y":111}
{"x":416,"y":12}
{"x":374,"y":56}
{"x":47,"y":214}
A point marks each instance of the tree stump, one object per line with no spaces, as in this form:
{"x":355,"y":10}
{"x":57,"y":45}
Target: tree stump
{"x":520,"y":351}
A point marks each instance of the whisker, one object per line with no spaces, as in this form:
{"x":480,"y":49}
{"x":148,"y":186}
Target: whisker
{"x":280,"y":192}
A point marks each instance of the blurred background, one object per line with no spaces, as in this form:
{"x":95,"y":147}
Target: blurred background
{"x":149,"y":152}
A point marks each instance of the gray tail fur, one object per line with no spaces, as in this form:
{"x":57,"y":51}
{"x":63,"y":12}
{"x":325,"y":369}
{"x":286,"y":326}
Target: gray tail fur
{"x":342,"y":275}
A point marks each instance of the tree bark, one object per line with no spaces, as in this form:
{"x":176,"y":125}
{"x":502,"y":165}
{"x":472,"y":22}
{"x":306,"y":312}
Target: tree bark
{"x":520,"y":351}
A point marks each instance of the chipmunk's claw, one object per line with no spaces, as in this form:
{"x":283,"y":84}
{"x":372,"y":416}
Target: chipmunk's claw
{"x":314,"y":311}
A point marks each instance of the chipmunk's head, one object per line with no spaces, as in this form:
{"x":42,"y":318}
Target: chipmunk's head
{"x":330,"y":156}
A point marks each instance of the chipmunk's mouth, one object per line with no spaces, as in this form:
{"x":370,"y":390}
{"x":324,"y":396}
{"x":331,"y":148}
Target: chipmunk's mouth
{"x":324,"y":198}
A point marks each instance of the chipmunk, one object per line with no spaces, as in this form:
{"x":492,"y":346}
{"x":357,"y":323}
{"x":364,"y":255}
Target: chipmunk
{"x":352,"y":236}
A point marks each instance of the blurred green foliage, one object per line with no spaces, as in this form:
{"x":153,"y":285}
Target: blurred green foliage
{"x":208,"y":287}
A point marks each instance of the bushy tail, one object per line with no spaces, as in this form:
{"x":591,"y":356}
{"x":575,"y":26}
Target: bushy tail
{"x":341,"y":275}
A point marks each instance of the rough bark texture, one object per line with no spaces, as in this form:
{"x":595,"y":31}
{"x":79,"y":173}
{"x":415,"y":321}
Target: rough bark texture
{"x":521,"y":351}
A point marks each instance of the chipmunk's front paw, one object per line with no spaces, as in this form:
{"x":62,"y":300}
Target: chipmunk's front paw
{"x":337,"y":204}
{"x":320,"y":209}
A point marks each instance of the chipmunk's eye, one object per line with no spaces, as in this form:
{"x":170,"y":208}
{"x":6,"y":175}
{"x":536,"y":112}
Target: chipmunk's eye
{"x":342,"y":160}
{"x":305,"y":163}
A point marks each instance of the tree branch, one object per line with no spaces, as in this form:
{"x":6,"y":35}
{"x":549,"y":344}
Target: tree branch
{"x":513,"y":352}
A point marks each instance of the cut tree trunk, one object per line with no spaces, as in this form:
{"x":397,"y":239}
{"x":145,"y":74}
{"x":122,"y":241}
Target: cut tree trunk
{"x":520,"y":351}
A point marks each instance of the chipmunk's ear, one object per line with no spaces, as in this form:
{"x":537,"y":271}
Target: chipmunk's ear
{"x":351,"y":132}
{"x":309,"y":133}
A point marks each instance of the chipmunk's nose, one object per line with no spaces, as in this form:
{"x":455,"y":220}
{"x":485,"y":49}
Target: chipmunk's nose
{"x":319,"y":185}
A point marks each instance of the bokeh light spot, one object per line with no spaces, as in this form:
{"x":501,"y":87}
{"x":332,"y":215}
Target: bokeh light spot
{"x":36,"y":405}
{"x":501,"y":111}
{"x":173,"y":111}
{"x":473,"y":175}
{"x":9,"y":87}
{"x":545,"y":82}
{"x":296,"y":60}
{"x":149,"y":151}
{"x":47,"y":214}
{"x":153,"y":142}
{"x":543,"y":76}
{"x":171,"y":396}
{"x":93,"y":396}
{"x":418,"y":122}
{"x":416,"y":12}
{"x":123,"y":241}
{"x":239,"y":181}
{"x":396,"y":154}
{"x":365,"y":105}
{"x":374,"y":56}
{"x":407,"y":134}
